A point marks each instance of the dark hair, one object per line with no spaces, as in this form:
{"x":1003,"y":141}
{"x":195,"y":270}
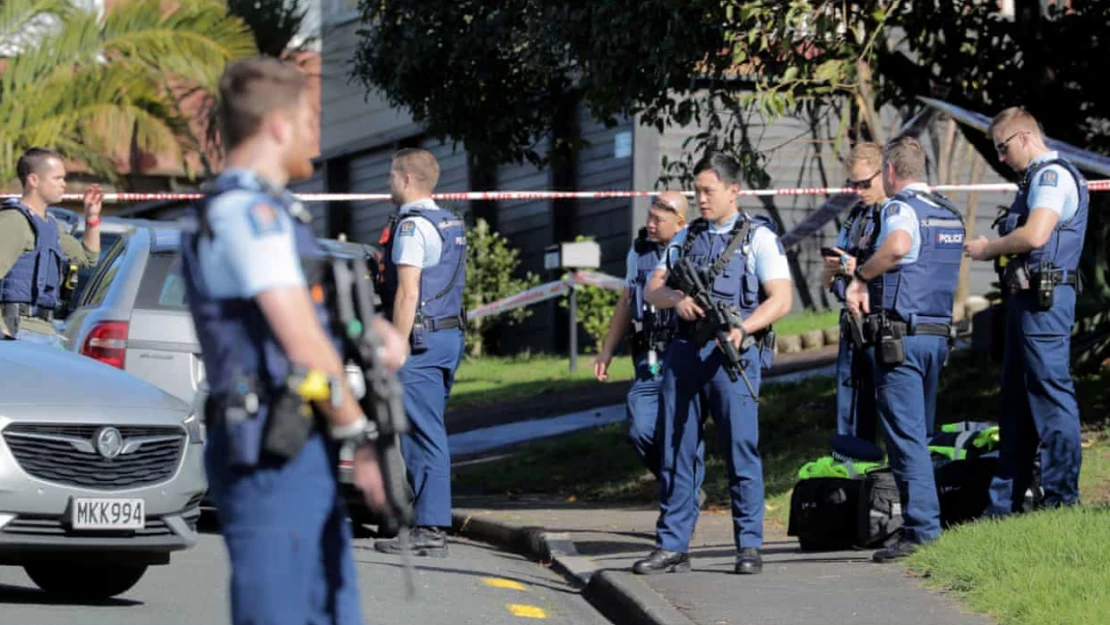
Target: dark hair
{"x":726,"y":167}
{"x":32,"y":161}
{"x":252,"y":87}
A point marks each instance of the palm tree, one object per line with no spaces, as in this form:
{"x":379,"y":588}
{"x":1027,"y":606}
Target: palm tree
{"x":85,"y":83}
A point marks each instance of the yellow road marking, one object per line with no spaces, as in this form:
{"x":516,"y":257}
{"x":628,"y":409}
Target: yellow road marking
{"x":526,"y":611}
{"x":498,"y":582}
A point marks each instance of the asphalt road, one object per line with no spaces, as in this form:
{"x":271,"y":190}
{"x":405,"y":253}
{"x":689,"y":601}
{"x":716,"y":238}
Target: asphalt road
{"x":475,"y":584}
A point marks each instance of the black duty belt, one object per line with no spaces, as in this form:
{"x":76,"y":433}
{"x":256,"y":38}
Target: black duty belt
{"x":1068,"y":279}
{"x":444,"y":323}
{"x":11,"y":309}
{"x":872,"y":325}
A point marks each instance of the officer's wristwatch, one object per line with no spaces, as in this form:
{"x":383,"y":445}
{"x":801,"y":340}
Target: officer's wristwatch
{"x":859,"y":276}
{"x":361,"y":432}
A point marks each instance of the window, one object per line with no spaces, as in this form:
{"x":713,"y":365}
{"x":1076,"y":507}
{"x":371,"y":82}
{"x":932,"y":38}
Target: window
{"x":101,"y":281}
{"x":85,"y":274}
{"x":162,"y":287}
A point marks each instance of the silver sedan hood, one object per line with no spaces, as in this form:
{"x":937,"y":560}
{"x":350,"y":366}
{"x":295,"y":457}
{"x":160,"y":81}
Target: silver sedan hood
{"x":40,"y":376}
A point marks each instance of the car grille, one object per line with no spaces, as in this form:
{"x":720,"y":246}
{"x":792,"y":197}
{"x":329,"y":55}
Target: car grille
{"x":66,"y":454}
{"x":32,"y":526}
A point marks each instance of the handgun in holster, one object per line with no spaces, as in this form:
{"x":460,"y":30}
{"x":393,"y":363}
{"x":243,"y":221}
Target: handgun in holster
{"x":1014,"y":274}
{"x":855,"y":331}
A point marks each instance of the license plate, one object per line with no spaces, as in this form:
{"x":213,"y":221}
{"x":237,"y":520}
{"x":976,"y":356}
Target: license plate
{"x":108,"y":514}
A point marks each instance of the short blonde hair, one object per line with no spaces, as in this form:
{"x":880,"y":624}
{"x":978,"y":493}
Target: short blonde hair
{"x":420,"y":164}
{"x":866,"y":152}
{"x":1017,"y":119}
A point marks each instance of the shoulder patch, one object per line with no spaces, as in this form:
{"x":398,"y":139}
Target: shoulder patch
{"x":264,"y":219}
{"x":1048,"y":178}
{"x":407,"y":229}
{"x":892,"y":209}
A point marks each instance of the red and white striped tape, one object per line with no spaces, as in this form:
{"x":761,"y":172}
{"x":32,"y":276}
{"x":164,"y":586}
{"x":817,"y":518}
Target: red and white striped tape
{"x":465,"y":196}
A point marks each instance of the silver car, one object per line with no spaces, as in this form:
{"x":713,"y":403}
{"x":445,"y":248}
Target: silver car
{"x":132,"y":314}
{"x":101,"y":474}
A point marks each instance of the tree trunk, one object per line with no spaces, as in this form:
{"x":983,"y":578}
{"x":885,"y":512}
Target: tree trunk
{"x":962,"y":287}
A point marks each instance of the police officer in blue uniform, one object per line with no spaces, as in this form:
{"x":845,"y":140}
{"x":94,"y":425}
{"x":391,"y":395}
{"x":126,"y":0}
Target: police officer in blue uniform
{"x":424,"y":274}
{"x":855,"y":393}
{"x":282,"y":518}
{"x":743,"y":268}
{"x":904,"y":293}
{"x":1038,"y":254}
{"x":34,"y":252}
{"x":649,"y":330}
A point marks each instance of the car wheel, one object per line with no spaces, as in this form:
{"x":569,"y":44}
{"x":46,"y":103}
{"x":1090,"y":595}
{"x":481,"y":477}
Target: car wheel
{"x":85,"y":582}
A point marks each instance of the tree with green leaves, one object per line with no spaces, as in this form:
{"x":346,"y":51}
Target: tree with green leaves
{"x":496,"y":76}
{"x":79,"y":82}
{"x":490,"y":266}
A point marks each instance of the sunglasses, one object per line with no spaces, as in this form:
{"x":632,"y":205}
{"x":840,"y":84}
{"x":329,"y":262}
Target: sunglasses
{"x":664,"y":204}
{"x":1002,"y":147}
{"x":860,"y":184}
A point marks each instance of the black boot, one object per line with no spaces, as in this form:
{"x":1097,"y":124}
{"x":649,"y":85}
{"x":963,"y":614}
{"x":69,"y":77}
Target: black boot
{"x":897,"y":551}
{"x":662,"y":561}
{"x":423,"y":541}
{"x":749,"y":561}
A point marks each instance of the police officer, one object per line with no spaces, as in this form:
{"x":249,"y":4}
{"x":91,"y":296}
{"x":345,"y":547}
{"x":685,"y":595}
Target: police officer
{"x":1040,"y":246}
{"x":34,"y":252}
{"x":905,"y":293}
{"x":283,"y":521}
{"x":651,"y":330}
{"x":855,"y":394}
{"x":743,"y":266}
{"x":424,"y":274}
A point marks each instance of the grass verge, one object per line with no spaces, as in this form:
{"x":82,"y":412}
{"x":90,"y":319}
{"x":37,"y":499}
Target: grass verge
{"x":1047,"y":568}
{"x":799,"y":323}
{"x":489,"y":380}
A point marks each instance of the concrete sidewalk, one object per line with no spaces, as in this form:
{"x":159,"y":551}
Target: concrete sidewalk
{"x":595,"y":547}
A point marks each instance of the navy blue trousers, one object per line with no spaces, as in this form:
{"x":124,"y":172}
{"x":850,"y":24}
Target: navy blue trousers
{"x":642,"y":409}
{"x":687,"y":371}
{"x":427,"y":378}
{"x":287,"y":537}
{"x":1038,"y":405}
{"x":906,"y":395}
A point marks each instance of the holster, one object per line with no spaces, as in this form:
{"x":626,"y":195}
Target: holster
{"x":1015,"y":277}
{"x":289,"y":426}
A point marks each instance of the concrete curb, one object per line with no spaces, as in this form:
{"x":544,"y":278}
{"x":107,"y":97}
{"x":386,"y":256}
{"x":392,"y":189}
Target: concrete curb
{"x":619,"y":595}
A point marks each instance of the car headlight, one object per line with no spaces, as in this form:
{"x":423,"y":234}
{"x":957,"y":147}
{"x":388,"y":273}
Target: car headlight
{"x":195,"y":428}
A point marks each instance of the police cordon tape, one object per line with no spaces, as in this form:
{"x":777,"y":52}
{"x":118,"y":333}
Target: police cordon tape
{"x":465,"y":196}
{"x":545,"y":292}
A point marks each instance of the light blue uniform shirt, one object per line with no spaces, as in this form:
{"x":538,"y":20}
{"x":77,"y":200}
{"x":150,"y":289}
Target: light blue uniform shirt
{"x":1053,"y":188}
{"x":417,"y":242}
{"x":252,"y":249}
{"x":767,"y":260}
{"x":897,"y":215}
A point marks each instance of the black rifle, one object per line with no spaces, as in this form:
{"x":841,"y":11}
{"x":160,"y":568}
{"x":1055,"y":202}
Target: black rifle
{"x":719,"y":320}
{"x":350,"y":300}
